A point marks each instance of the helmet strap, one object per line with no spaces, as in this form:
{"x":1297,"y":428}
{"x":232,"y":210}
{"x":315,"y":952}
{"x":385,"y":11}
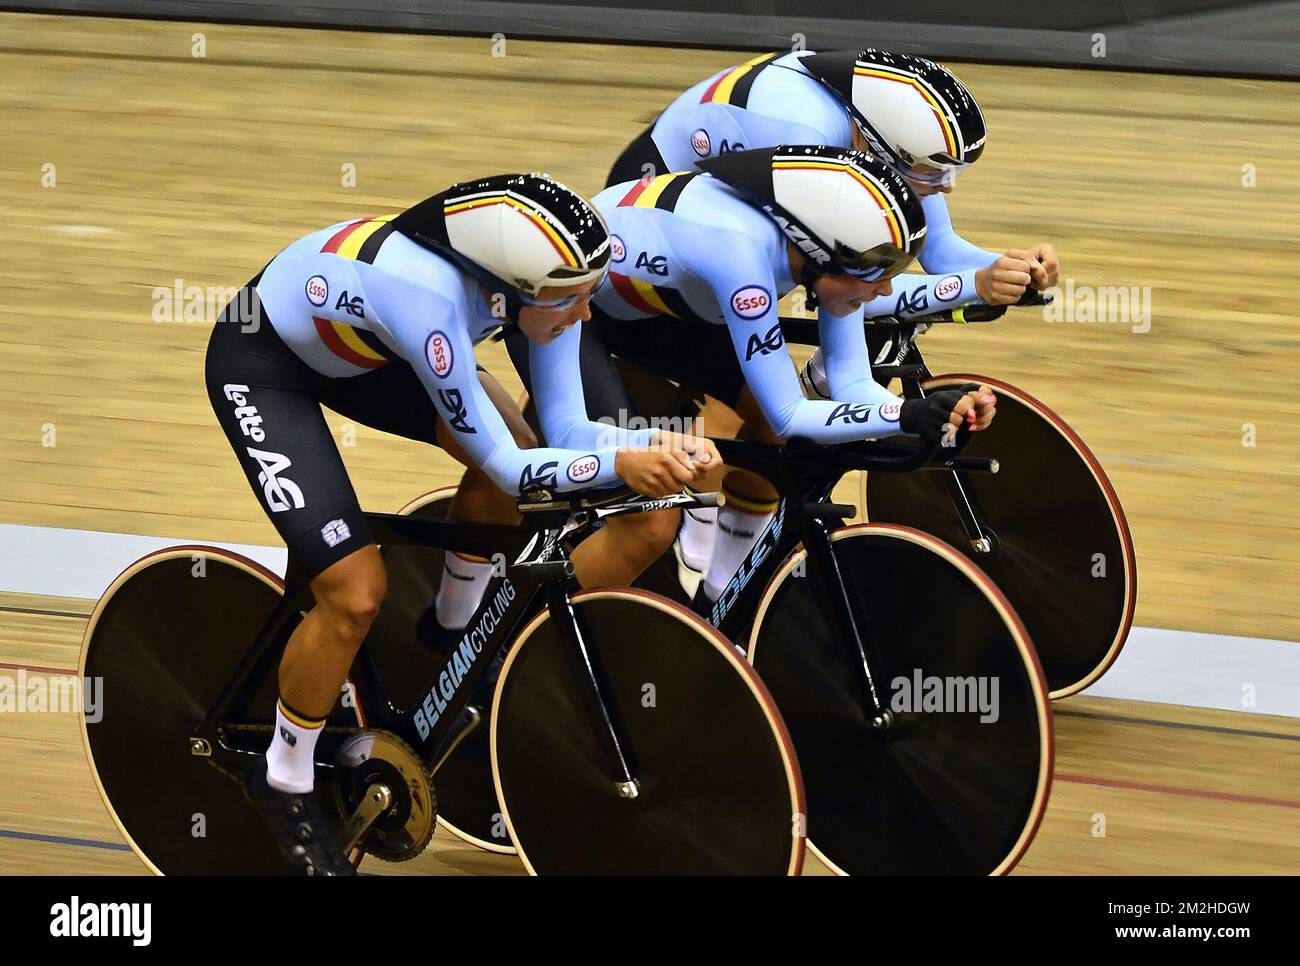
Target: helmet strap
{"x":806,"y":278}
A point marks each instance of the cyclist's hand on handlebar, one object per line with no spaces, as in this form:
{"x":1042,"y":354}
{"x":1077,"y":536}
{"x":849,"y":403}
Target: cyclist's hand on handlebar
{"x":938,"y":416}
{"x":654,"y":473}
{"x":696,"y":453}
{"x":984,"y":406}
{"x":1044,"y":264}
{"x":1003,"y":281}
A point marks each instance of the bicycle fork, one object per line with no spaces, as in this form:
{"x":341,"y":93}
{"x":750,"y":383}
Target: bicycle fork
{"x":609,"y":735}
{"x":855,"y":623}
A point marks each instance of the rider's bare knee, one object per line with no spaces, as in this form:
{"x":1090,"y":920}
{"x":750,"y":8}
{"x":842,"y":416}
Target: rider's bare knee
{"x":352,"y":591}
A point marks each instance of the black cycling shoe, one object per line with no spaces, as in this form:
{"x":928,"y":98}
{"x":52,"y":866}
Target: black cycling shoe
{"x":303,"y":826}
{"x":432,"y":635}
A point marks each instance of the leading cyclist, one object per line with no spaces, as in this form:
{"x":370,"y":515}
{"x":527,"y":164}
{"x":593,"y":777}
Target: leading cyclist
{"x":377,"y":319}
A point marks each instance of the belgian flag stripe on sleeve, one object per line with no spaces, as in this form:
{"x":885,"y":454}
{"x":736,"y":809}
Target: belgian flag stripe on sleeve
{"x":734,"y":85}
{"x":342,"y":340}
{"x":673,"y":302}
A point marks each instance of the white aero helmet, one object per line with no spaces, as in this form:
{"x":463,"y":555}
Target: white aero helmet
{"x":911,"y":110}
{"x":847,"y":212}
{"x":521,"y":231}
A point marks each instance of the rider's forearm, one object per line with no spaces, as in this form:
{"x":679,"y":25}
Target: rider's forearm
{"x":915,"y":295}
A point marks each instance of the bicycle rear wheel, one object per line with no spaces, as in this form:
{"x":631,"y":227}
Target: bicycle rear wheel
{"x":165,"y":639}
{"x":467,"y":801}
{"x":958,"y":783}
{"x":1062,"y":551}
{"x":720,"y":790}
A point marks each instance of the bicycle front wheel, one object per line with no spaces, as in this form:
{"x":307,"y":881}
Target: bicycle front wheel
{"x":957,"y":782}
{"x":1061,"y":548}
{"x":719,"y":788}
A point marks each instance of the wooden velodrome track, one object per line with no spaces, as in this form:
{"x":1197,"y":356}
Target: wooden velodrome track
{"x":171,"y":166}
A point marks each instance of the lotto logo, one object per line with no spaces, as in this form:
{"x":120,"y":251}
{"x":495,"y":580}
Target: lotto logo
{"x":583,"y":469}
{"x":438,"y":351}
{"x":947,"y":289}
{"x":700,"y":142}
{"x":891,"y":411}
{"x":250,"y":421}
{"x":318,"y":290}
{"x":751,"y":302}
{"x":617,"y":250}
{"x":335,"y":532}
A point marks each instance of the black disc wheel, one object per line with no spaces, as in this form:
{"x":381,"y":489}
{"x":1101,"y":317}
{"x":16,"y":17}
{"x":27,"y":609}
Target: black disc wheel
{"x":467,"y":801}
{"x":717,"y":786}
{"x":955,"y":778}
{"x":1059,"y":548}
{"x":164,"y":640}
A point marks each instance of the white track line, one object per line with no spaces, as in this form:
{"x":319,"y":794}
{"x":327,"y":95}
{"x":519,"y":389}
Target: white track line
{"x":1166,"y":666}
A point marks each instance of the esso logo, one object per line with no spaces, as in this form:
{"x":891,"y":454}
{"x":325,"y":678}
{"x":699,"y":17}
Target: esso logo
{"x":891,"y":411}
{"x":751,"y":302}
{"x":583,"y":468}
{"x":700,"y":142}
{"x":617,"y":250}
{"x":947,"y":289}
{"x":438,"y":351}
{"x":318,"y":290}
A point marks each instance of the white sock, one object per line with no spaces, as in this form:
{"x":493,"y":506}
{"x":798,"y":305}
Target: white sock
{"x":464,"y":579}
{"x":740,"y":521}
{"x":697,"y":535}
{"x":289,"y":759}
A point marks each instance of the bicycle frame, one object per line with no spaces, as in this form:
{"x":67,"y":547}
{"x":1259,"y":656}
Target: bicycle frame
{"x":541,"y":576}
{"x":805,"y":476}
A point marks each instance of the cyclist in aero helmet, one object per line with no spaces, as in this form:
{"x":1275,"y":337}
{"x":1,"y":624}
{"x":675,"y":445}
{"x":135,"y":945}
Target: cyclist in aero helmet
{"x":377,"y":319}
{"x":912,"y":112}
{"x":699,"y":262}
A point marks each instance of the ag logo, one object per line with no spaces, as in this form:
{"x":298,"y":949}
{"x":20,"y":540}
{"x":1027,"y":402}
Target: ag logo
{"x":352,"y":306}
{"x":438,"y":351}
{"x":948,"y":288}
{"x":454,"y":403}
{"x":917,"y":301}
{"x":770,"y":342}
{"x":658,"y":265}
{"x":727,"y":147}
{"x":891,"y":411}
{"x":318,"y":290}
{"x":850,"y":414}
{"x":542,"y":479}
{"x":751,"y":301}
{"x":617,"y":251}
{"x":281,"y":493}
{"x":700,"y":142}
{"x":583,"y":469}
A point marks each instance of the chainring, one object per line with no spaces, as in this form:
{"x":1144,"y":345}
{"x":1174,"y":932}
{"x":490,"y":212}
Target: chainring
{"x":369,"y":758}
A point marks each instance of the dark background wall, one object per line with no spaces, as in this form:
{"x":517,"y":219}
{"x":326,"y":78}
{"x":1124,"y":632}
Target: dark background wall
{"x":1205,"y":36}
